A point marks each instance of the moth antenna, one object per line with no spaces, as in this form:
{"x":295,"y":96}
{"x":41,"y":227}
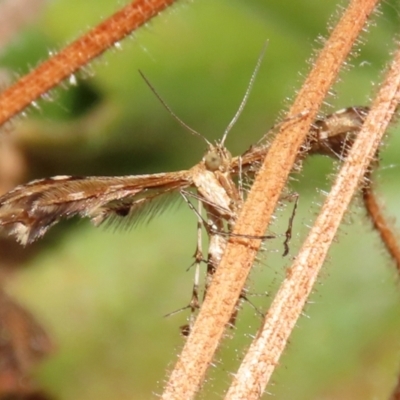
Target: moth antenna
{"x":246,"y":95}
{"x":169,"y":109}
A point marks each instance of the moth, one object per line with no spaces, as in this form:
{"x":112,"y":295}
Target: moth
{"x":30,"y":210}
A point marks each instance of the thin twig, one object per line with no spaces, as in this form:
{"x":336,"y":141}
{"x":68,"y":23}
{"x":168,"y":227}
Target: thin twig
{"x":235,"y":266}
{"x":380,"y":223}
{"x":77,"y":54}
{"x":263,"y":355}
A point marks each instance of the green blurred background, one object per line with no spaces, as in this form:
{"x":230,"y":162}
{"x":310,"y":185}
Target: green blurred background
{"x":102,"y":294}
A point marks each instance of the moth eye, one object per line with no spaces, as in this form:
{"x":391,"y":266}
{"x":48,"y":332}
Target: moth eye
{"x":213,"y":161}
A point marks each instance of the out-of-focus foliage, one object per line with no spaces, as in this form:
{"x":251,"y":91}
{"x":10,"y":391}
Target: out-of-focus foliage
{"x":102,"y":294}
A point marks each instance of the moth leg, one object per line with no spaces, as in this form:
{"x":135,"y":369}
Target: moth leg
{"x":194,"y":304}
{"x":245,"y":297}
{"x":198,"y":259}
{"x":288,"y":234}
{"x":240,"y":179}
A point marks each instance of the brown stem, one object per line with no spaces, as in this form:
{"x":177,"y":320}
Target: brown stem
{"x":385,"y":231}
{"x":235,"y":266}
{"x":79,"y":53}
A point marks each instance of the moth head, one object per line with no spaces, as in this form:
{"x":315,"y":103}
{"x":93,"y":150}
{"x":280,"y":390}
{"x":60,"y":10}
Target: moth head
{"x":218,"y":158}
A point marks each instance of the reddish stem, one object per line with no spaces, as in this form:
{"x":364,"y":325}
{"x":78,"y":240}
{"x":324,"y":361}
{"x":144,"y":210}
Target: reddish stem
{"x":76,"y":55}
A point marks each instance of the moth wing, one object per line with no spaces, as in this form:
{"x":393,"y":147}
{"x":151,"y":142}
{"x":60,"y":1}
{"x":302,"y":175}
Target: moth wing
{"x":28,"y":211}
{"x":132,"y":210}
{"x":332,"y":135}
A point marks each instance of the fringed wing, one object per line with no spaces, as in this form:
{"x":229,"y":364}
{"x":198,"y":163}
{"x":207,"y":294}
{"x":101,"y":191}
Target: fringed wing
{"x":28,"y":211}
{"x":332,"y":135}
{"x":130,"y":211}
{"x":335,"y":134}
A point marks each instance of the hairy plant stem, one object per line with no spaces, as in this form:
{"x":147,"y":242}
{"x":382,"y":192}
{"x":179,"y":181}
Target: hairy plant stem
{"x":380,"y":223}
{"x":59,"y":67}
{"x":263,"y":355}
{"x":231,"y":275}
